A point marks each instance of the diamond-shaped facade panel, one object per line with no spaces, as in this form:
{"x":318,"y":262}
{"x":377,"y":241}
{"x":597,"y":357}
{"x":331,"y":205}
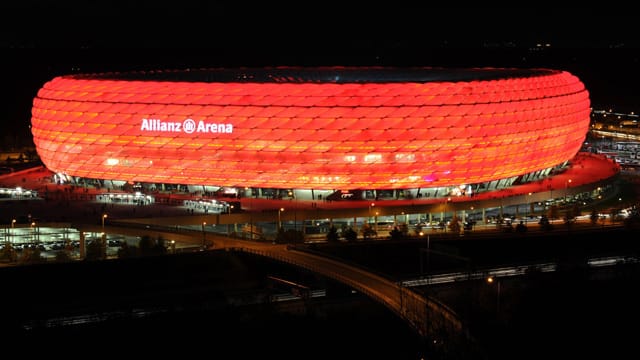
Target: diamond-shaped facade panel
{"x":322,"y":128}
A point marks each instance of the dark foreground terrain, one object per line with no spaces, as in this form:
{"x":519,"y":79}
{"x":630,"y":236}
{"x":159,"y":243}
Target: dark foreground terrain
{"x":211,"y":303}
{"x":223,"y":305}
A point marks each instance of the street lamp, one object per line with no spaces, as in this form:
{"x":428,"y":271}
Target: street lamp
{"x":426,"y":250}
{"x":491,"y":280}
{"x":104,"y":216}
{"x":246,"y":190}
{"x":444,"y":213}
{"x":280,"y":218}
{"x":229,"y":225}
{"x":566,"y":189}
{"x":33,"y":231}
{"x":375,"y":223}
{"x":370,"y":207}
{"x":13,"y":224}
{"x":204,"y":234}
{"x":103,"y":237}
{"x":405,"y":220}
{"x":529,"y":208}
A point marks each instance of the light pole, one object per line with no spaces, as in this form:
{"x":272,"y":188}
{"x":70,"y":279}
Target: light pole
{"x":405,"y":220}
{"x":444,"y":213}
{"x":229,"y":225}
{"x":427,"y":251}
{"x":13,"y":224}
{"x":204,"y":234}
{"x":247,"y":190}
{"x":528,"y":208}
{"x":292,"y":197}
{"x":566,"y":190}
{"x":103,"y":237}
{"x":370,"y":207}
{"x":491,"y":280}
{"x":375,"y":223}
{"x":33,"y":231}
{"x":280,"y":218}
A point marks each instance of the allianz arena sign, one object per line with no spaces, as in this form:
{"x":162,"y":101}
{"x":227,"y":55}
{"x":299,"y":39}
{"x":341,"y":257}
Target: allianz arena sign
{"x":188,"y":126}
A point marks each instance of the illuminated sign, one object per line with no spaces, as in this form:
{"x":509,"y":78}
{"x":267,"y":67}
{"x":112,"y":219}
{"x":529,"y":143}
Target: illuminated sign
{"x":345,"y":195}
{"x":188,"y":126}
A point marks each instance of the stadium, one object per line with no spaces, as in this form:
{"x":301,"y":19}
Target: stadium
{"x":350,"y":133}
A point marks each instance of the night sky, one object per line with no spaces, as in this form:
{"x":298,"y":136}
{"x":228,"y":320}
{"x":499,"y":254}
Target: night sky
{"x":40,"y":41}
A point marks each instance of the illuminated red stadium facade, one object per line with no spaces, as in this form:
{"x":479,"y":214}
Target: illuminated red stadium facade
{"x":312,"y":128}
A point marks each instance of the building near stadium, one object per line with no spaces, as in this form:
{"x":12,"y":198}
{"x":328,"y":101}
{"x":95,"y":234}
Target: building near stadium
{"x":408,"y":132}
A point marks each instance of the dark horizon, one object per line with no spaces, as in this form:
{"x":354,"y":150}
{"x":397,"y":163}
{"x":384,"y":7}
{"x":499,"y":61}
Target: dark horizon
{"x":201,"y":24}
{"x":599,"y":46}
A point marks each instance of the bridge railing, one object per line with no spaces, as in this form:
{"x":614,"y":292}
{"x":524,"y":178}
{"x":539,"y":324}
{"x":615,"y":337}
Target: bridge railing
{"x":428,"y":317}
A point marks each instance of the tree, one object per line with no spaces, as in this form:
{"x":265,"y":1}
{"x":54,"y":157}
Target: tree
{"x":594,"y":217}
{"x":63,"y":256}
{"x":404,"y":229}
{"x":150,"y":246}
{"x":368,"y":231}
{"x":614,"y":214}
{"x":569,"y":217}
{"x":454,"y":225}
{"x":146,"y":245}
{"x":396,"y":234}
{"x":127,"y":251}
{"x":279,"y":236}
{"x":332,"y":234}
{"x":94,"y":250}
{"x":418,"y":229}
{"x":575,"y":210}
{"x":31,"y":256}
{"x":8,"y":253}
{"x":350,"y":235}
{"x":161,"y":246}
{"x":544,"y":223}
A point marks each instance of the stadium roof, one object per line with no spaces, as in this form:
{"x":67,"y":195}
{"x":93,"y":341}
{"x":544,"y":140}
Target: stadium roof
{"x":323,"y":74}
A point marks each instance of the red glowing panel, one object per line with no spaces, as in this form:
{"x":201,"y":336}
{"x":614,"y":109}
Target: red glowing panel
{"x":310,"y":135}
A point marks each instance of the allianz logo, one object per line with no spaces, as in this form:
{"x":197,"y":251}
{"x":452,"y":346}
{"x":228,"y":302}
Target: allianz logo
{"x":188,"y":126}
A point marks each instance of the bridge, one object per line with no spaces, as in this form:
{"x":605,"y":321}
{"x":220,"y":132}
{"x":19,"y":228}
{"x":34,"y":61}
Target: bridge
{"x":429,"y":318}
{"x":435,"y":322}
